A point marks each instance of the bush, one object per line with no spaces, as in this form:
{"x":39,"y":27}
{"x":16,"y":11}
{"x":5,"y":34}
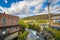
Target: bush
{"x":55,"y":32}
{"x":23,"y":36}
{"x":23,"y":25}
{"x":31,"y":26}
{"x":34,"y":26}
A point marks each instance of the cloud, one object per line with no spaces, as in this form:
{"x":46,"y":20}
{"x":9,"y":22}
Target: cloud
{"x":14,"y":8}
{"x":23,"y":8}
{"x":2,"y":9}
{"x":55,"y":9}
{"x":6,"y":1}
{"x":37,"y":6}
{"x":55,"y":1}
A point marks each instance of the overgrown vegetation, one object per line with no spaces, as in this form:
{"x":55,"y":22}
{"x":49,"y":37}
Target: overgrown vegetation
{"x":55,"y":33}
{"x":35,"y":26}
{"x":22,"y":36}
{"x":23,"y":25}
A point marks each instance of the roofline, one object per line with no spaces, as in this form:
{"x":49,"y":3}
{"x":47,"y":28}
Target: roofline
{"x":8,"y":14}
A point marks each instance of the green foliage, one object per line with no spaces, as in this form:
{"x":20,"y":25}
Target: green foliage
{"x":23,"y":36}
{"x":34,"y":26}
{"x":21,"y":22}
{"x":31,"y":26}
{"x":55,"y":32}
{"x":23,"y":25}
{"x":42,"y":21}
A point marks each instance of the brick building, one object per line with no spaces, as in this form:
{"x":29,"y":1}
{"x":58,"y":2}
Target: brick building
{"x":8,"y":24}
{"x":55,"y":22}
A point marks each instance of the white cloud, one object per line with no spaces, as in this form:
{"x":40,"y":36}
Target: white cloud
{"x":36,"y":3}
{"x":55,"y":1}
{"x":15,"y":8}
{"x":22,"y":9}
{"x":6,"y":1}
{"x":55,"y":9}
{"x":3,"y":9}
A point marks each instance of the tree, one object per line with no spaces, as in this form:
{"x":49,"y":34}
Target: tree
{"x":23,"y":25}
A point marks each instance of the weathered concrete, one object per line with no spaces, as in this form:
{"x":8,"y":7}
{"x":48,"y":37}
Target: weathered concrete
{"x":12,"y":36}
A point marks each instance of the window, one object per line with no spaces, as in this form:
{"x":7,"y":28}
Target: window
{"x":12,"y":20}
{"x":11,"y":28}
{"x":17,"y":21}
{"x":4,"y":20}
{"x":4,"y":31}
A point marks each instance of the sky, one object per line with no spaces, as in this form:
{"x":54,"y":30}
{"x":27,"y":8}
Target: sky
{"x":25,"y":8}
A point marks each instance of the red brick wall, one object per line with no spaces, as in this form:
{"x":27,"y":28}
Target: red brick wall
{"x":8,"y":18}
{"x":9,"y":22}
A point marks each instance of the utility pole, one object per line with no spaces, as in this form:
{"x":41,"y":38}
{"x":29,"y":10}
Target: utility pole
{"x":49,"y":12}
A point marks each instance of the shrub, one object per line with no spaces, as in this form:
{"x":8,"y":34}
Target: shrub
{"x":22,"y":36}
{"x":23,"y":25}
{"x":34,"y":26}
{"x":55,"y":32}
